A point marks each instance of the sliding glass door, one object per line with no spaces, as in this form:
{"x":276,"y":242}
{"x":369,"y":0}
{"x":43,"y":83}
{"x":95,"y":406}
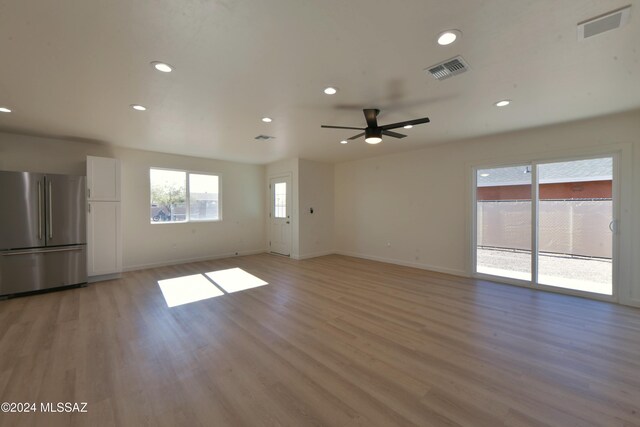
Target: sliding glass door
{"x":575,"y":223}
{"x":503,"y":218}
{"x":548,"y":224}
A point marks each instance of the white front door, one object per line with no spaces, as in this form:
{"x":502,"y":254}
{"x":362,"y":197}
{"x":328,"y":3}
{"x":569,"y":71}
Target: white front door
{"x":280,"y":215}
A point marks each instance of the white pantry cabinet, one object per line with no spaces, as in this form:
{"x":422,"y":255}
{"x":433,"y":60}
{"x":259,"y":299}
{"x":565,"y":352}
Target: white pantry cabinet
{"x":104,"y":251}
{"x":103,"y":179}
{"x":104,"y":223}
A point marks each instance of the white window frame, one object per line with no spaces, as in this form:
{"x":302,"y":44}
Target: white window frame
{"x":188,"y":193}
{"x":621,"y":195}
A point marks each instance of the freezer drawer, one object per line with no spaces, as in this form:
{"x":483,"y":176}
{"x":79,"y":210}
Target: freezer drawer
{"x":38,"y":269}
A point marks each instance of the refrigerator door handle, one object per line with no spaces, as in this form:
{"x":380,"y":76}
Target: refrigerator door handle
{"x":50,"y":213}
{"x":43,"y":251}
{"x":40,"y":210}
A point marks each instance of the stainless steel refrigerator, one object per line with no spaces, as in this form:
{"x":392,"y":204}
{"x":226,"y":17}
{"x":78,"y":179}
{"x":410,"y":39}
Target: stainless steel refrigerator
{"x":42,"y":232}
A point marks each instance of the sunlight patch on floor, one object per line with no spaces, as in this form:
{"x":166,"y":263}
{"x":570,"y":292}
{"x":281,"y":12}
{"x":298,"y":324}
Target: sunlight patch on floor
{"x":235,"y":279}
{"x":188,"y":289}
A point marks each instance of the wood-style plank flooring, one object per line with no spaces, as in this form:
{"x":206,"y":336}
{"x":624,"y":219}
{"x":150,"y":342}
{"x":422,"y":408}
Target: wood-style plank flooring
{"x":333,"y":341}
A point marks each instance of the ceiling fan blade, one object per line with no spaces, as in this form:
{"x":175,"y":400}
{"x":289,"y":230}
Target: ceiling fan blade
{"x":340,"y":127}
{"x":356,"y":136}
{"x":393,"y":134}
{"x":370,"y":114}
{"x":407,"y":123}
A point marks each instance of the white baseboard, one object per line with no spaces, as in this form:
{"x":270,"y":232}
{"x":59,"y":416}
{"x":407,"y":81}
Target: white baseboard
{"x":102,"y":277}
{"x":631,"y":302}
{"x":314,"y":255}
{"x":188,"y":260}
{"x":454,"y":272}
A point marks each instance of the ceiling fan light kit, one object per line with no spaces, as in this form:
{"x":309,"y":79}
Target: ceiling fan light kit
{"x":372,"y":136}
{"x":373,"y":133}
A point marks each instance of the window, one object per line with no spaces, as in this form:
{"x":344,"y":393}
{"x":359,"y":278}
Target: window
{"x":280,"y":200}
{"x":203,"y":197}
{"x":180,"y":196}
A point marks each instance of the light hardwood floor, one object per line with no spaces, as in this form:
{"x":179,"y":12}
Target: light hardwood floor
{"x":333,"y":341}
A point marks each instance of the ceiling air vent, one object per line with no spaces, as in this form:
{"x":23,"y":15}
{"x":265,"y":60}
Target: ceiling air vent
{"x":264,"y":137}
{"x":603,"y":23}
{"x":448,"y":68}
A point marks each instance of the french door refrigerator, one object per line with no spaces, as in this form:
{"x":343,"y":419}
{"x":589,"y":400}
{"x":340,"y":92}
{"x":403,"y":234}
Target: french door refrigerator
{"x":42,"y":232}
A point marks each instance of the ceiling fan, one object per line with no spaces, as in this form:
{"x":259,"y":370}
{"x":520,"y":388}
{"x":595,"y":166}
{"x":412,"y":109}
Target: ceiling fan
{"x":373,"y":133}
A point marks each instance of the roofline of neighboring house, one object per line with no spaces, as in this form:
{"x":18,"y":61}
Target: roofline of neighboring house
{"x":549,"y":181}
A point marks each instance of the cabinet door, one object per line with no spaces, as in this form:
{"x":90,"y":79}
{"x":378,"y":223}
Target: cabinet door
{"x":103,"y":179}
{"x":104,"y":244}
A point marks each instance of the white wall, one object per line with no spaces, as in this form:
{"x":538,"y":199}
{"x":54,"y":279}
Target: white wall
{"x":316,"y":191}
{"x":414,"y":208}
{"x":145,"y":244}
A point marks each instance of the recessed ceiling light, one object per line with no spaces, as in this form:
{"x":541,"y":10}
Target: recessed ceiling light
{"x":161,"y":66}
{"x":330,"y":90}
{"x":448,"y":37}
{"x":408,"y":126}
{"x":503,"y":103}
{"x":5,"y":110}
{"x":138,"y":107}
{"x":267,"y":119}
{"x":344,"y":141}
{"x":484,"y":175}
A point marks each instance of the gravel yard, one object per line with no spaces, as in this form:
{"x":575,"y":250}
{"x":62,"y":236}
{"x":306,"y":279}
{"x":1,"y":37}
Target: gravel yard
{"x":584,"y":274}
